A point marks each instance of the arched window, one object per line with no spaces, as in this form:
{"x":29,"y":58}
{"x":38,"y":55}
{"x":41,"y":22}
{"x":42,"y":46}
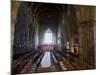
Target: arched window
{"x":48,"y":37}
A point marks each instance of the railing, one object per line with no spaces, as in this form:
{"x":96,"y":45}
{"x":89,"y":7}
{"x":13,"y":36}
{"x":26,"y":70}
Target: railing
{"x":53,"y":59}
{"x":37,"y":61}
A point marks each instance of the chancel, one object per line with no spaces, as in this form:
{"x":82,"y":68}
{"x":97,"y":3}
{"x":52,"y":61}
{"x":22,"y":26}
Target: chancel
{"x":51,"y":37}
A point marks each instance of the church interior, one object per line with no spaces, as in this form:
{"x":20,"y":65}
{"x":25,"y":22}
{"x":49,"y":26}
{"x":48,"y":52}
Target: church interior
{"x":51,"y":37}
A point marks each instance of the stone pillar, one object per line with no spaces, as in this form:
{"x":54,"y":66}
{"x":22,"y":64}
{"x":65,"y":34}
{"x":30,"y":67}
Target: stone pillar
{"x":87,"y":44}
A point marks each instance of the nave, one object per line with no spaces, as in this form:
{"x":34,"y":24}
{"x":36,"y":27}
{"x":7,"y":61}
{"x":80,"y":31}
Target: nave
{"x":51,"y":37}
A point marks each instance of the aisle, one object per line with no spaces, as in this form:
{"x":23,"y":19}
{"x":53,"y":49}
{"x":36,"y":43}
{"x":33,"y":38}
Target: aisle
{"x":46,"y":62}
